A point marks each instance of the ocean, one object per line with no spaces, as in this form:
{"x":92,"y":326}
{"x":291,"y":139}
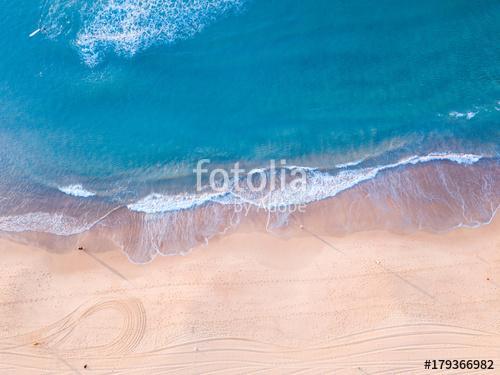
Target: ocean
{"x":391,"y":111}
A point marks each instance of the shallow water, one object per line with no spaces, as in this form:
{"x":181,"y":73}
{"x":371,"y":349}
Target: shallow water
{"x":111,"y":103}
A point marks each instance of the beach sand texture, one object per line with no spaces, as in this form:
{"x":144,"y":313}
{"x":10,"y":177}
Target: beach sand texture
{"x":253,"y":303}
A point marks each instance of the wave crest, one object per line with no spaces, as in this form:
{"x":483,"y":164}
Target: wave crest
{"x":433,"y":192}
{"x":320,"y":185}
{"x":44,"y":222}
{"x":129,"y":26}
{"x":76,"y":190}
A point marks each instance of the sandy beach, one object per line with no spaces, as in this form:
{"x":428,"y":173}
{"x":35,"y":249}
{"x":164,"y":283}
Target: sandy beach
{"x":250,"y":302}
{"x":218,"y":187}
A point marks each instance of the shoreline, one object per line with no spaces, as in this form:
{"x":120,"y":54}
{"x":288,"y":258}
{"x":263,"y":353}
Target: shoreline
{"x":435,"y":196}
{"x":243,"y":187}
{"x":373,"y":300}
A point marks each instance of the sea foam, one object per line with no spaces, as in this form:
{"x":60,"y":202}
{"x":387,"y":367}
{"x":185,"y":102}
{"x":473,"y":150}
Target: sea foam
{"x":44,"y":222}
{"x":320,"y":185}
{"x":129,"y":26}
{"x":76,"y":191}
{"x":468,"y":115}
{"x":156,"y":203}
{"x":437,"y":197}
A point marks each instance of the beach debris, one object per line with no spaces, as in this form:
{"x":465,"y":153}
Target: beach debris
{"x":36,"y":343}
{"x":85,"y":366}
{"x":301,"y":226}
{"x":377,"y":261}
{"x":81,"y":248}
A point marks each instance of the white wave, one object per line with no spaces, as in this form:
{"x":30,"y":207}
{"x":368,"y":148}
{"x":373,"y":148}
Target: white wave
{"x":76,"y":191}
{"x":299,"y":167}
{"x":128,"y":26}
{"x":350,"y":164}
{"x":54,"y":223}
{"x":319,"y":186}
{"x":324,"y":185}
{"x":45,"y":222}
{"x":459,"y":158}
{"x":156,"y":203}
{"x":58,"y":17}
{"x":456,"y":114}
{"x":468,"y":115}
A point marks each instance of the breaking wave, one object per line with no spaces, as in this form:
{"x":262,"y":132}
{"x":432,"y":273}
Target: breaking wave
{"x":76,"y":191}
{"x":320,"y":185}
{"x":54,"y":223}
{"x":437,"y":191}
{"x":126,"y":27}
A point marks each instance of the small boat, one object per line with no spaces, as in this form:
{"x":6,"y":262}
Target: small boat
{"x":35,"y":32}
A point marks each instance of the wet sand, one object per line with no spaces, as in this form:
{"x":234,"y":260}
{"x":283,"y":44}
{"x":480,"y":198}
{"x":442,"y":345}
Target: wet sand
{"x":366,"y":303}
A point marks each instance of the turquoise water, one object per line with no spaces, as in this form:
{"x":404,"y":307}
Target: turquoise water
{"x":123,"y":97}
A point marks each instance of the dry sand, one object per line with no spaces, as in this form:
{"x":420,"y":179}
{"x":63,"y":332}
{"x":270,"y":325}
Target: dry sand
{"x":253,"y":303}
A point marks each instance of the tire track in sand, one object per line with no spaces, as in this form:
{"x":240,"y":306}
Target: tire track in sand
{"x":54,"y":335}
